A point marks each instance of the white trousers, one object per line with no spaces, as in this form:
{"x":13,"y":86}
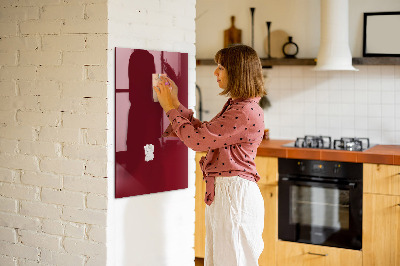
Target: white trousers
{"x":234,"y":223}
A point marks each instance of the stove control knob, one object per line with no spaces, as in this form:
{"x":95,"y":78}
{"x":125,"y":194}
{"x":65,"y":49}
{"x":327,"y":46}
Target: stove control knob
{"x":302,"y":167}
{"x":336,"y":169}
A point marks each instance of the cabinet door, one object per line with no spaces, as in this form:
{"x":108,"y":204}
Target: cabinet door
{"x":297,"y":254}
{"x":270,"y":233}
{"x":381,"y":179}
{"x":267,"y":168}
{"x":200,"y":207}
{"x":381,"y":230}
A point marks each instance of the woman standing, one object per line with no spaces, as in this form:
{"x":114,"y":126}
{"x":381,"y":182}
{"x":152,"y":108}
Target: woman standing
{"x":235,"y":207}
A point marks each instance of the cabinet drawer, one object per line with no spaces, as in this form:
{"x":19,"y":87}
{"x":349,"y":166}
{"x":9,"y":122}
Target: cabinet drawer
{"x":381,"y":179}
{"x":293,"y":254}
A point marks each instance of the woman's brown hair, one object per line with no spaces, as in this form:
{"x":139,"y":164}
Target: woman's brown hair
{"x":245,"y":78}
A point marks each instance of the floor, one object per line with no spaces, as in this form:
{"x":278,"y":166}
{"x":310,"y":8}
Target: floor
{"x":199,"y":262}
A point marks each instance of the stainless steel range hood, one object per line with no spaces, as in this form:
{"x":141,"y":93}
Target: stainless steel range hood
{"x":334,"y":52}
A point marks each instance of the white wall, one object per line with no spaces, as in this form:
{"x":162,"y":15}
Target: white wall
{"x":53,"y":185}
{"x":155,"y":229}
{"x":298,"y":18}
{"x":338,"y":104}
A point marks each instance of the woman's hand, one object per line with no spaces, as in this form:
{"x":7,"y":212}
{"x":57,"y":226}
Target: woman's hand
{"x":174,"y":90}
{"x":163,"y":91}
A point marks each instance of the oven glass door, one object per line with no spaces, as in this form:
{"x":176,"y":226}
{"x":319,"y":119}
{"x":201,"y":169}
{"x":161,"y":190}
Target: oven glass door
{"x":321,"y":213}
{"x":316,"y":208}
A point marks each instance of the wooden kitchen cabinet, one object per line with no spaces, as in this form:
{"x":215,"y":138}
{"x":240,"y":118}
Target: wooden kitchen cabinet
{"x":270,"y":233}
{"x":298,"y":254}
{"x":381,"y":179}
{"x":381,"y":230}
{"x":381,"y":215}
{"x":267,"y":168}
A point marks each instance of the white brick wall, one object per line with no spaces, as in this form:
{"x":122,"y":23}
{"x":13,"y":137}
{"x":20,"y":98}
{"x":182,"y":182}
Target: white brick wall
{"x":61,"y":258}
{"x":54,"y":133}
{"x":53,"y":108}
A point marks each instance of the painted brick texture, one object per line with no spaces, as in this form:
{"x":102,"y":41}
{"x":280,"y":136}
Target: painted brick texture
{"x":53,"y":154}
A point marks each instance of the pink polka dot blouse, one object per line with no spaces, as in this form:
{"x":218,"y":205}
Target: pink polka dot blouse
{"x":231,"y":139}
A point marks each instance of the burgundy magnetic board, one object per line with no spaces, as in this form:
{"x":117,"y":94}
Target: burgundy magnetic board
{"x":145,"y":162}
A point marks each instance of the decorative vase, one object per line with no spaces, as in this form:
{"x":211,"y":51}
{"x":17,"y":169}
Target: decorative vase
{"x":290,"y":49}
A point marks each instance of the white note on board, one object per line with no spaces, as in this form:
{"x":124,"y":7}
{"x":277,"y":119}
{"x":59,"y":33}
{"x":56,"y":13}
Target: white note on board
{"x":148,"y":152}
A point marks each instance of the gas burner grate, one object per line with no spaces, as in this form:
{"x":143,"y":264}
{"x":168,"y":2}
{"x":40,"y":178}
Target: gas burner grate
{"x":351,"y":144}
{"x":324,"y":142}
{"x":320,"y":142}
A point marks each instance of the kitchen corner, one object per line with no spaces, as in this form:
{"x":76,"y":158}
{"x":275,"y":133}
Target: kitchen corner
{"x":323,"y":206}
{"x":370,"y":206}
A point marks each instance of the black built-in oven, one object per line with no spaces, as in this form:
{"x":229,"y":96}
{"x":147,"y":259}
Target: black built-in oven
{"x":320,"y":202}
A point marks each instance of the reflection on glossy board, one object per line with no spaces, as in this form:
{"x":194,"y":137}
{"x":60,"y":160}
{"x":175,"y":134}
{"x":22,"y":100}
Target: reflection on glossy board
{"x":145,"y":162}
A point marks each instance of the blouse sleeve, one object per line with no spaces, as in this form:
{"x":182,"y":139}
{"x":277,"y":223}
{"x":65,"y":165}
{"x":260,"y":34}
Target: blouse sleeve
{"x":224,"y":130}
{"x":186,"y":113}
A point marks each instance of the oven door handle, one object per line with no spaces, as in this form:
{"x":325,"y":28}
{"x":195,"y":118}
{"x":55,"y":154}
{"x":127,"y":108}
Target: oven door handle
{"x":329,"y":184}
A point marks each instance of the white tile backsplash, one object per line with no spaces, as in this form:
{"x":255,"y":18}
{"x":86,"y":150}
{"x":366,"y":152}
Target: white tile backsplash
{"x":348,"y":132}
{"x":374,"y":110}
{"x":374,"y":123}
{"x":310,"y":108}
{"x":387,"y":124}
{"x":388,"y":111}
{"x":322,"y":108}
{"x":361,"y":125}
{"x":347,"y":123}
{"x":347,"y":110}
{"x":348,"y":96}
{"x":322,"y":121}
{"x":322,"y":95}
{"x":388,"y":97}
{"x":397,"y":95}
{"x":387,"y":71}
{"x":364,"y":103}
{"x":389,"y":135}
{"x":361,"y":110}
{"x":374,"y":83}
{"x":388,"y":84}
{"x":374,"y":97}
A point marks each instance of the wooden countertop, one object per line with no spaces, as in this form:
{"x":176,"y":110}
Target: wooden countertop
{"x":379,"y":154}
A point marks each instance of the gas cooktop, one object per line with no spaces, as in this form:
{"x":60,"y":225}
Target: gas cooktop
{"x":325,"y":142}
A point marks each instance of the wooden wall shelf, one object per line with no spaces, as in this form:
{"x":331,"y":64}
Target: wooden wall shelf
{"x":376,"y":61}
{"x":312,"y":61}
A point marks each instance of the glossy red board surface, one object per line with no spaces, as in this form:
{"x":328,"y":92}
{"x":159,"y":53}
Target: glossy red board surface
{"x":139,"y":121}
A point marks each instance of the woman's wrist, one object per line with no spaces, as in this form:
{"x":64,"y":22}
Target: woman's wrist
{"x":168,"y":108}
{"x":176,"y":103}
